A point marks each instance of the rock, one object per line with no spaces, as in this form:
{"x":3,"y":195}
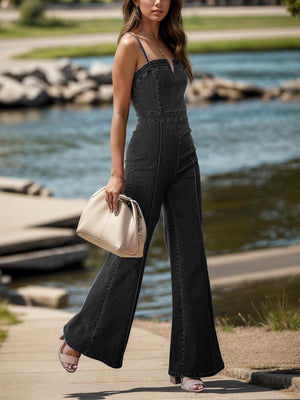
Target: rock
{"x":272,"y":93}
{"x":55,"y":92}
{"x":32,"y":80}
{"x":65,"y":67}
{"x":214,"y":89}
{"x":81,"y":75}
{"x":12,"y":92}
{"x":23,"y":186}
{"x":44,"y":296}
{"x":102,"y":73}
{"x":88,"y":97}
{"x":229,"y":93}
{"x":77,"y":68}
{"x":201,"y":91}
{"x":15,"y":94}
{"x":290,"y":90}
{"x":20,"y":72}
{"x":45,"y":192}
{"x":287,"y":96}
{"x":75,"y":88}
{"x":36,"y":96}
{"x":246,"y":89}
{"x":34,"y":189}
{"x":106,"y":93}
{"x":15,"y":185}
{"x":36,"y":93}
{"x":54,"y":75}
{"x":291,"y":86}
{"x":12,"y":296}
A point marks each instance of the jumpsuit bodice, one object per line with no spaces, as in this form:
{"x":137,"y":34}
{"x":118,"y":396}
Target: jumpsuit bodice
{"x":157,"y":90}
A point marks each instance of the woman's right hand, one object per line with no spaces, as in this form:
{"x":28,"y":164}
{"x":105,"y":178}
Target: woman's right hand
{"x":113,"y":188}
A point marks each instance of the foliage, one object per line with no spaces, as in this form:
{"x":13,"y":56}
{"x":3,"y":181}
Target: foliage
{"x":274,"y":315}
{"x":6,"y":318}
{"x":223,"y":323}
{"x":278,"y":316}
{"x":32,"y":12}
{"x":293,"y":7}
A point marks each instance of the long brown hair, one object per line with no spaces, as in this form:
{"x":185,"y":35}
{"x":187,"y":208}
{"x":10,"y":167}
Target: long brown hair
{"x":170,"y":30}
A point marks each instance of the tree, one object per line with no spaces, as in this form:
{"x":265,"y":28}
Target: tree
{"x":32,"y":12}
{"x":293,"y":6}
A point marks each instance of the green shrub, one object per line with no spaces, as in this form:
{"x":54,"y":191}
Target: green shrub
{"x":32,"y":12}
{"x":274,"y":315}
{"x":6,"y":318}
{"x":293,"y":7}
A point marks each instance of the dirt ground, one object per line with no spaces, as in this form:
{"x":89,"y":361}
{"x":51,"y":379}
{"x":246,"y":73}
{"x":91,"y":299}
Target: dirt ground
{"x":247,"y":347}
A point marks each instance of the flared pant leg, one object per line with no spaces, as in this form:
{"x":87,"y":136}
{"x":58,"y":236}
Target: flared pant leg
{"x":100,"y":330}
{"x":194,"y":348}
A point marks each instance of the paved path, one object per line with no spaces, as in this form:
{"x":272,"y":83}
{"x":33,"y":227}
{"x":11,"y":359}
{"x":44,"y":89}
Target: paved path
{"x":11,"y":47}
{"x":29,"y":368}
{"x":256,"y":265}
{"x":100,"y":12}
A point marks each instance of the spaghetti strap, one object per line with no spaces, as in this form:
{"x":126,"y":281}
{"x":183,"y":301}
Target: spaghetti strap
{"x":140,"y":45}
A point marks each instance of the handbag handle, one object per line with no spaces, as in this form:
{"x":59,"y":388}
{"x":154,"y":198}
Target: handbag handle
{"x":135,"y":209}
{"x":137,"y":213}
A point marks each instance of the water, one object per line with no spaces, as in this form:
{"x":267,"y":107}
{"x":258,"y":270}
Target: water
{"x":249,"y":159}
{"x":52,"y":146}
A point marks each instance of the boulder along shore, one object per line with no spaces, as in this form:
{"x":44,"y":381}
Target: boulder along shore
{"x":61,"y":82}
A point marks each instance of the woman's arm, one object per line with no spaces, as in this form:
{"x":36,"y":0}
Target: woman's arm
{"x":124,"y":66}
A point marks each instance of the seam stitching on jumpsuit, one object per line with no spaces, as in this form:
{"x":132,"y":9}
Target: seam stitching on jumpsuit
{"x":150,"y":215}
{"x":157,"y":91}
{"x":178,"y":154}
{"x":198,"y":200}
{"x":178,"y":280}
{"x":93,"y":331}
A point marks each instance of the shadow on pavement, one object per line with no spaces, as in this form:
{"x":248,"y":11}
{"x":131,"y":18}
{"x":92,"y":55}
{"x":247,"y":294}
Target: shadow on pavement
{"x":228,"y":387}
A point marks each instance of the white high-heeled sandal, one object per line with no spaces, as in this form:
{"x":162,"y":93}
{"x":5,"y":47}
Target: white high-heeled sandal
{"x":188,"y":384}
{"x":65,"y":358}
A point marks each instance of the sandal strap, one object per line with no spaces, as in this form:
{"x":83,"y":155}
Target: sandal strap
{"x":190,"y":382}
{"x":68,"y":359}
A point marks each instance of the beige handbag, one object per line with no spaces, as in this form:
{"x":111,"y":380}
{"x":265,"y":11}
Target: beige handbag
{"x":122,"y":232}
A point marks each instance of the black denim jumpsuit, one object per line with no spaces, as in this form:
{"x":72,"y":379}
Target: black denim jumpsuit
{"x":161,"y":169}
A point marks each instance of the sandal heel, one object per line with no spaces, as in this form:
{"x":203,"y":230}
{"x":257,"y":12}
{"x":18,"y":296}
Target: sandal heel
{"x":61,"y":334}
{"x":175,"y":379}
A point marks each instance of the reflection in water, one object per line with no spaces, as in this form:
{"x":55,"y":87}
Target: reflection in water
{"x":253,"y":208}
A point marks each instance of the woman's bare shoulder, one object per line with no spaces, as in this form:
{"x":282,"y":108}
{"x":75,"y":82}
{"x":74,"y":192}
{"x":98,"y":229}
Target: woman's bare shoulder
{"x":128,"y":43}
{"x":125,"y":59}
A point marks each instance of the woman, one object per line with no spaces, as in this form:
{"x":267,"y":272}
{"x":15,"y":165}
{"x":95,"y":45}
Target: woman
{"x":151,"y":68}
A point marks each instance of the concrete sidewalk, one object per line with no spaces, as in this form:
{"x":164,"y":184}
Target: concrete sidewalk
{"x":29,"y":367}
{"x":15,"y":46}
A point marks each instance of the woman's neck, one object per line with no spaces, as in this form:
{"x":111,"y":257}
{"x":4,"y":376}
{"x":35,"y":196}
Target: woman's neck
{"x":149,"y":30}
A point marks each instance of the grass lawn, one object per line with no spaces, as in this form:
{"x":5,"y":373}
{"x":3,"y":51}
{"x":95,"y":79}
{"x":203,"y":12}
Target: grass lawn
{"x":195,"y":47}
{"x":53,"y":26}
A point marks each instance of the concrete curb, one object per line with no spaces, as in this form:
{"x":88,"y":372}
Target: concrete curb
{"x":266,"y":378}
